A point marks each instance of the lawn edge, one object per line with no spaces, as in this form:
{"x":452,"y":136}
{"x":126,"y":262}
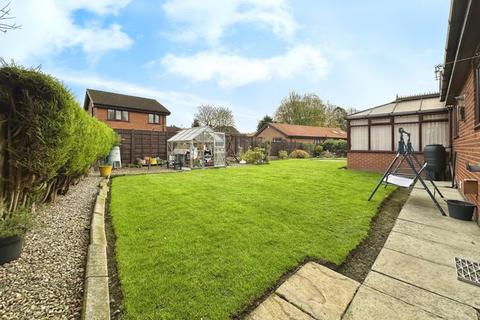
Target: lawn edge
{"x":96,"y":298}
{"x":338,"y":268}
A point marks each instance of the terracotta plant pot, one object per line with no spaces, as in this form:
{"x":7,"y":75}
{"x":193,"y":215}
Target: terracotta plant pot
{"x":10,"y":248}
{"x":105,"y":170}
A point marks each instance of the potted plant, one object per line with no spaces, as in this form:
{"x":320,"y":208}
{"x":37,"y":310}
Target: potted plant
{"x":105,"y":168}
{"x":12,"y":230}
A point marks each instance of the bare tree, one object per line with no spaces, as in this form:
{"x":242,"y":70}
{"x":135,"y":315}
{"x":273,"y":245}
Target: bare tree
{"x":214,"y":116}
{"x":5,"y":18}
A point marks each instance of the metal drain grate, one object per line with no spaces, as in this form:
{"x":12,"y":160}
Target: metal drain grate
{"x":468,"y":271}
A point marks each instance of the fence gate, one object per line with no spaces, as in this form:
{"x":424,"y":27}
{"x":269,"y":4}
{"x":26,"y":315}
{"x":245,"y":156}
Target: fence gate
{"x":219,"y":149}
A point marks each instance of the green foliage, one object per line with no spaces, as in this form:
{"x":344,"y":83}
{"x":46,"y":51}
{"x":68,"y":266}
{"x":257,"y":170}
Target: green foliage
{"x":338,"y":147}
{"x":317,"y":150}
{"x":50,"y":138}
{"x":230,"y":248}
{"x":310,"y":110}
{"x":308,"y":147}
{"x":15,"y":224}
{"x":299,"y":154}
{"x":282,"y":154}
{"x":266,"y":119}
{"x":256,"y":155}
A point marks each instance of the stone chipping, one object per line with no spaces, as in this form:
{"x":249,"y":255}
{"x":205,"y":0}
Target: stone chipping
{"x":47,"y":281}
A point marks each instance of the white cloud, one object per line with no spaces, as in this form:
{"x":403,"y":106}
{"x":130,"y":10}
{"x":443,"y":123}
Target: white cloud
{"x":231,"y":70}
{"x":208,"y":19}
{"x":48,"y":27}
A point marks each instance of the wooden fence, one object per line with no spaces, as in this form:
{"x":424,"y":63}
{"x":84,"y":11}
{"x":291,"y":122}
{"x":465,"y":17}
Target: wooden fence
{"x":139,"y":144}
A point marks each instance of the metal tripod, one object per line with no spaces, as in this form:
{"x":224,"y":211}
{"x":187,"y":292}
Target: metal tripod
{"x":406,"y":153}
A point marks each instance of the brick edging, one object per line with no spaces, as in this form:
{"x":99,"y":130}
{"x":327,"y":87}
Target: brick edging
{"x":96,"y":299}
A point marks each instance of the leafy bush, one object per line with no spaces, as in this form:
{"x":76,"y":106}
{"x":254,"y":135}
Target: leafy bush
{"x":299,"y":154}
{"x":327,"y":155}
{"x":282,"y":154}
{"x":15,"y":224}
{"x":267,"y":147}
{"x":317,"y":150}
{"x":254,"y":156}
{"x":51,"y":141}
{"x":308,"y":147}
{"x":338,"y":147}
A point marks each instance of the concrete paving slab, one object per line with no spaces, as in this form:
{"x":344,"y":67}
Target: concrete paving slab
{"x":432,"y":251}
{"x":427,"y":301}
{"x":431,"y":216}
{"x":319,"y":291}
{"x":451,"y":238}
{"x":371,"y":304}
{"x":427,"y":275}
{"x":96,"y":300}
{"x":96,"y":261}
{"x":275,"y":308}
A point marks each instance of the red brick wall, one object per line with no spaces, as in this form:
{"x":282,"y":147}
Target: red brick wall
{"x":467,"y":144}
{"x":373,"y":161}
{"x":136,"y":121}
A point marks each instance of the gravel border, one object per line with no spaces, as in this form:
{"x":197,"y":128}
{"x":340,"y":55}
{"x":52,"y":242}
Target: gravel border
{"x":46,"y":282}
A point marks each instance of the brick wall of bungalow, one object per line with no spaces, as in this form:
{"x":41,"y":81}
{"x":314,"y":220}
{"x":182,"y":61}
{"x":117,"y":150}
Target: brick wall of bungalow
{"x":373,"y":161}
{"x":136,"y":121}
{"x":467,"y":142}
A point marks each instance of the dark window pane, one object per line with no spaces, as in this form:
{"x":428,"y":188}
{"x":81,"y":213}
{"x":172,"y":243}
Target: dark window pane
{"x":124,"y":115}
{"x":111,"y":114}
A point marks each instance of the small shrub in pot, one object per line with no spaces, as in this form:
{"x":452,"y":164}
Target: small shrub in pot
{"x":12,"y":230}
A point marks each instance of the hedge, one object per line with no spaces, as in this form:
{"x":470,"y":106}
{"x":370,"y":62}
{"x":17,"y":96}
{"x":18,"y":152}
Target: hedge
{"x":47,"y":140}
{"x":338,"y":147}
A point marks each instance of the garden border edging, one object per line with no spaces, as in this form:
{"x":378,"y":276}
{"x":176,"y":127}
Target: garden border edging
{"x":96,"y":298}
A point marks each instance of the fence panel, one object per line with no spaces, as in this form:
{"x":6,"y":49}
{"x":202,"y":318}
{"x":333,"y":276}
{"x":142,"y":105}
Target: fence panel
{"x":139,"y":144}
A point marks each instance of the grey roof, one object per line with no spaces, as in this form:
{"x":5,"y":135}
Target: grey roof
{"x":104,"y":98}
{"x":403,"y":106}
{"x":191,"y":134}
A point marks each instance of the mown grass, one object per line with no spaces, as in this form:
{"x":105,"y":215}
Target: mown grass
{"x":205,"y":244}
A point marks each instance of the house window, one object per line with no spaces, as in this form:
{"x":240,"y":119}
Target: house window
{"x":117,"y":115}
{"x":153,"y":118}
{"x":277,"y":139}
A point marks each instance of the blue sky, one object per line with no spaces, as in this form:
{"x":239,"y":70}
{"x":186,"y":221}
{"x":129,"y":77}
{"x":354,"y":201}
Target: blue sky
{"x":244,"y":54}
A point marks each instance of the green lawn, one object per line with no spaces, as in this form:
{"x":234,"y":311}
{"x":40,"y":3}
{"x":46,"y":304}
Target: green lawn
{"x":205,"y":244}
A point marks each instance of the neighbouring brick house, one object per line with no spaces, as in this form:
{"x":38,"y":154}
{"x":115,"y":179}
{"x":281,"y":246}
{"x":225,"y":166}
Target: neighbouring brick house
{"x":277,"y":132}
{"x":140,"y":122}
{"x":460,"y":89}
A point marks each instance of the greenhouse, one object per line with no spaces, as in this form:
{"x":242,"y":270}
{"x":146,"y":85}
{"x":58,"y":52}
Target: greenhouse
{"x":198,"y":147}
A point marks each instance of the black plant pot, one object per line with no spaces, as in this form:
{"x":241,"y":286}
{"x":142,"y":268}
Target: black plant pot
{"x":461,"y":210}
{"x":10,"y":248}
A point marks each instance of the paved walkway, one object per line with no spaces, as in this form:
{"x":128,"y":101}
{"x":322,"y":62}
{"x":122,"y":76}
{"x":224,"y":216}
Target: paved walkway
{"x":413,"y":277}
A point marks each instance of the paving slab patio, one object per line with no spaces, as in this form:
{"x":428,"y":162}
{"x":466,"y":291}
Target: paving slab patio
{"x":414,"y":276}
{"x":313,"y":292}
